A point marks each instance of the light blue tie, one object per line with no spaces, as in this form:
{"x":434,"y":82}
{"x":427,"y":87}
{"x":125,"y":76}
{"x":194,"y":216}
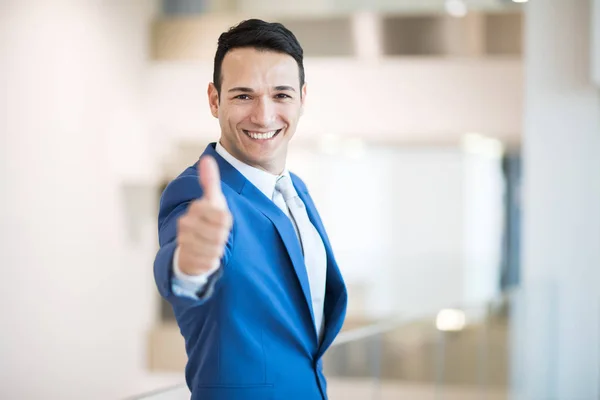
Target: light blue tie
{"x":313,"y":249}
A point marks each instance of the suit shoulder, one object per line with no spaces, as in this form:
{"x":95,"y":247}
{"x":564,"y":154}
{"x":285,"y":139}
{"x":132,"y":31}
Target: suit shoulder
{"x":186,"y":186}
{"x":181,"y":190}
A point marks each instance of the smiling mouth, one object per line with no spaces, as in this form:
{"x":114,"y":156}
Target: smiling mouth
{"x":261,"y":135}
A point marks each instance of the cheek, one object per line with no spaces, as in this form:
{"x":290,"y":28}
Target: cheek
{"x":290,"y":118}
{"x":232,"y":116}
{"x":289,"y":115}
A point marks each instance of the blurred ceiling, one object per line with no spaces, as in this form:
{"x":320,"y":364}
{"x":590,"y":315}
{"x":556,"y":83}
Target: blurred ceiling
{"x":333,"y":7}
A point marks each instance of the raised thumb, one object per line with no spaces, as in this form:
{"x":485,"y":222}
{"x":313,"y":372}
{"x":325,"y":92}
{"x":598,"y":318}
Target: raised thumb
{"x":210,"y":181}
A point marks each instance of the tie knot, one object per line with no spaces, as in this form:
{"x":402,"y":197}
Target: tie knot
{"x":285,"y":187}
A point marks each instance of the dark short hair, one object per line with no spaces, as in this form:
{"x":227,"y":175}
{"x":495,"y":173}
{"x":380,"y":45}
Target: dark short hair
{"x":261,"y":35}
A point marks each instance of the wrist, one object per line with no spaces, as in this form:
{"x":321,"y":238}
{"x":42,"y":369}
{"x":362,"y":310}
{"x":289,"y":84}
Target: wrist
{"x":182,"y":270}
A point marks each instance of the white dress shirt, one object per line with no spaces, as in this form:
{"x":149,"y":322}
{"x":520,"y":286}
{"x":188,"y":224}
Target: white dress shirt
{"x":188,"y":285}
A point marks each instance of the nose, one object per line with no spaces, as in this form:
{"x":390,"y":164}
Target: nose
{"x":263,"y":113}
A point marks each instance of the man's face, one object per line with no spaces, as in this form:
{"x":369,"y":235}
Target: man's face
{"x":260,"y":104}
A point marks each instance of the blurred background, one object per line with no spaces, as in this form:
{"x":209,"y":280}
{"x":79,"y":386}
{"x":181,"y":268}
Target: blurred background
{"x":451,"y":146}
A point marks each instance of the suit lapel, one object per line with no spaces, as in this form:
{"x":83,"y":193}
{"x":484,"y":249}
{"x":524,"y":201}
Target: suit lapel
{"x":234,"y":179}
{"x":288,"y":236}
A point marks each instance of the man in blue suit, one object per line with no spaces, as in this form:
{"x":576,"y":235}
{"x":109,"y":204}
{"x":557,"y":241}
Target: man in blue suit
{"x":244,"y":258}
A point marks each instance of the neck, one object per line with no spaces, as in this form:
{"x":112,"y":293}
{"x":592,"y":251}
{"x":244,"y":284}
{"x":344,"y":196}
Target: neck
{"x":274,"y":168}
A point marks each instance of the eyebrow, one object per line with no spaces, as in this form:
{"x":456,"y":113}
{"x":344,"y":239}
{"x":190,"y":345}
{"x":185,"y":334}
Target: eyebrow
{"x":241,"y":89}
{"x":250,"y":90}
{"x":285,"y":87}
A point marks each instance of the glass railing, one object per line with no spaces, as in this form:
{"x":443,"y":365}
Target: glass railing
{"x":457,"y":353}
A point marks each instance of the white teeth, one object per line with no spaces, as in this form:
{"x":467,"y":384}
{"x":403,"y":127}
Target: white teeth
{"x":261,"y":136}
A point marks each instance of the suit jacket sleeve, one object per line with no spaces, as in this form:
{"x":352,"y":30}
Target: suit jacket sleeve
{"x":173,"y":204}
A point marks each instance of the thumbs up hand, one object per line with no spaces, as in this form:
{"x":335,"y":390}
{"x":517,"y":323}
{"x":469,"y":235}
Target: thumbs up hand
{"x":203,"y":230}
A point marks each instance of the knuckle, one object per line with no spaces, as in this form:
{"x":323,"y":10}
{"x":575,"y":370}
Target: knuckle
{"x":225,"y":218}
{"x":183,"y":242}
{"x":218,"y":239}
{"x":220,"y":217}
{"x":185,"y":224}
{"x":215,"y":214}
{"x":215,"y":252}
{"x":224,"y":236}
{"x":228,"y":219}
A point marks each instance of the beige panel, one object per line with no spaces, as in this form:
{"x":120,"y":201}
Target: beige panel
{"x":189,"y":38}
{"x":167,"y":349}
{"x":195,"y":38}
{"x":311,"y":31}
{"x":504,"y":33}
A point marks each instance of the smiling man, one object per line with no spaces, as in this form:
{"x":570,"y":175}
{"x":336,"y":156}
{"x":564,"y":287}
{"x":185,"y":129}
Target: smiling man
{"x":244,"y":258}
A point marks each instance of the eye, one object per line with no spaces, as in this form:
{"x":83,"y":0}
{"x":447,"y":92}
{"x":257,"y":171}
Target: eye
{"x":242,"y":97}
{"x":283,"y":96}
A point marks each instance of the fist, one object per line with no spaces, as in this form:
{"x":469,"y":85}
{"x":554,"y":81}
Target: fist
{"x":203,"y":230}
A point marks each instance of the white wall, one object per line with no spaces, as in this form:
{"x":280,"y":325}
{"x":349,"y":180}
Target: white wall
{"x":557,"y":326}
{"x":76,"y":296}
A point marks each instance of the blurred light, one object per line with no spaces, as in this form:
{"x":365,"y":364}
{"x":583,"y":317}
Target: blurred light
{"x":450,"y":320}
{"x":332,"y":144}
{"x":474,"y":143}
{"x":520,"y":1}
{"x":329,"y":144}
{"x":354,"y":148}
{"x":456,"y":8}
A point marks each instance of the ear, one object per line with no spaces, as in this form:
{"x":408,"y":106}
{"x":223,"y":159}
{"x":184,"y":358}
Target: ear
{"x":213,"y":100}
{"x":303,"y":99}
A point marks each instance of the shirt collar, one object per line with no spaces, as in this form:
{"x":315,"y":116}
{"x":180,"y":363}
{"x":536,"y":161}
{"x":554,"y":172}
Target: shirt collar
{"x":263,"y":180}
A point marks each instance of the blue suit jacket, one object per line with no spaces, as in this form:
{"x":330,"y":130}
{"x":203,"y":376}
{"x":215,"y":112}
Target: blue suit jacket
{"x":251,"y":334}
